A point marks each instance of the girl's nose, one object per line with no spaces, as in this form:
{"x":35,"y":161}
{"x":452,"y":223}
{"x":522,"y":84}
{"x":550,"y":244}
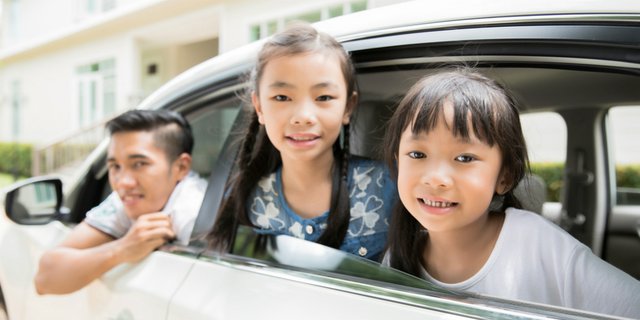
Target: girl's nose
{"x":437,"y":176}
{"x":305,"y":114}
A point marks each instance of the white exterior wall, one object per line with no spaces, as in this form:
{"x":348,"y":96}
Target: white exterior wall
{"x":239,"y":15}
{"x":53,"y":38}
{"x":36,"y":19}
{"x":49,"y":107}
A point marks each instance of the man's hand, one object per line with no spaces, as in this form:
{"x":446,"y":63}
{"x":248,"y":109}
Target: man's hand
{"x":88,"y":253}
{"x":147,"y":233}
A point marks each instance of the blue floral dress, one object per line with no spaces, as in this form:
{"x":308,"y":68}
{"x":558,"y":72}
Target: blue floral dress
{"x":372,"y":195}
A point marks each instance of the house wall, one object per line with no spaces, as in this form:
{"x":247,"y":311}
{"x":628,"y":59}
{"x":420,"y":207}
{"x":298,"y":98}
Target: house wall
{"x":44,"y":42}
{"x":44,"y":57}
{"x":48,"y":103}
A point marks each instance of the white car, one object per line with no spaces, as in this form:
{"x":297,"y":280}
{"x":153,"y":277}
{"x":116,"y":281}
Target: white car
{"x":577,"y":59}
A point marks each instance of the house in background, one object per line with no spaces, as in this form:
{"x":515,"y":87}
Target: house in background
{"x":66,"y":66}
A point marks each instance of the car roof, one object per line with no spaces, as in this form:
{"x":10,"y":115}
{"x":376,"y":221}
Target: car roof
{"x":399,"y":18}
{"x":416,"y":14}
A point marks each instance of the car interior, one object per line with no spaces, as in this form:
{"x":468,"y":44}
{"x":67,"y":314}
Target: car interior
{"x":581,"y":95}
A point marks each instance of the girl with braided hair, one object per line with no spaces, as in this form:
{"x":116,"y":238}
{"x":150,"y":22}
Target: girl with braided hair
{"x":294,"y":176}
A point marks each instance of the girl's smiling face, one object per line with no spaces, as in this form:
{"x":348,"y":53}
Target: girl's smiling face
{"x":302,"y":103}
{"x":447,"y":182}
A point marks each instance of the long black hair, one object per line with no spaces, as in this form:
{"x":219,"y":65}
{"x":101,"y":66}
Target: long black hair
{"x":493,"y":117}
{"x":258,"y":157}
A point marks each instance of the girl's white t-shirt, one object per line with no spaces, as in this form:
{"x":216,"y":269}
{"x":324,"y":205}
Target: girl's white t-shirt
{"x":537,"y":261}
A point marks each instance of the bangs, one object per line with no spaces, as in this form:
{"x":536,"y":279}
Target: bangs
{"x":480,"y":108}
{"x":475,"y":110}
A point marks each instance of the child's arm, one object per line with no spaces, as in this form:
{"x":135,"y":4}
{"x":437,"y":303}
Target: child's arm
{"x":598,"y":286}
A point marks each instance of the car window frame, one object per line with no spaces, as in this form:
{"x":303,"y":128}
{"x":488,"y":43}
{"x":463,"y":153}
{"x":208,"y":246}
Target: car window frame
{"x":371,"y":50}
{"x":395,"y":286}
{"x":431,"y":48}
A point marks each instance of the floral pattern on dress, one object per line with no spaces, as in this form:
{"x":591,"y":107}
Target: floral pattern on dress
{"x":296,"y":230}
{"x":267,"y":213}
{"x":361,"y":181}
{"x":371,"y":196}
{"x":268,"y":183}
{"x":365,"y":210}
{"x":264,"y":208}
{"x":364,"y":216}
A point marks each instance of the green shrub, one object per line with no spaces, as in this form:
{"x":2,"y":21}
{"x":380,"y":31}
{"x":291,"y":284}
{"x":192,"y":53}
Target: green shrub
{"x":627,"y":176}
{"x":16,"y":158}
{"x":551,"y":173}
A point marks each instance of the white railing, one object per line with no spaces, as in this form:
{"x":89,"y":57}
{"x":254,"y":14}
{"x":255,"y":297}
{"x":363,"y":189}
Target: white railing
{"x":68,"y":151}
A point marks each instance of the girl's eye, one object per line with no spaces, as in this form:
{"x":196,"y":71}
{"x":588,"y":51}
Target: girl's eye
{"x":112,"y":167}
{"x":281,"y":97}
{"x":324,"y":98}
{"x":465,"y":158}
{"x":416,"y":155}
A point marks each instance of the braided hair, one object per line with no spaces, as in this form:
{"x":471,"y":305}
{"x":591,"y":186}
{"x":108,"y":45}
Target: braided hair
{"x":258,"y":157}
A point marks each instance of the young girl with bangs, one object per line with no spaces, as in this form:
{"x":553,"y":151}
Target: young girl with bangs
{"x":457,"y":148}
{"x":293,"y":175}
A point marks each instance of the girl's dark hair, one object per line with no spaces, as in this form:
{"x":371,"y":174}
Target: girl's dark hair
{"x":171,"y":131}
{"x":480,"y":106}
{"x":258,"y":157}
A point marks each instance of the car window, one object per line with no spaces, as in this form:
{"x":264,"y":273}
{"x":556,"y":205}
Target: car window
{"x":625,"y":147}
{"x":211,"y":126}
{"x":302,"y":261}
{"x":290,"y":252}
{"x":622,"y":246}
{"x":546,"y":137}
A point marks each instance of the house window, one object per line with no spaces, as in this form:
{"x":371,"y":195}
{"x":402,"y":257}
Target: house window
{"x":13,"y":19}
{"x":546,"y":137}
{"x":16,"y":118}
{"x":96,"y":85}
{"x":266,"y":28}
{"x":87,"y":8}
{"x":626,"y":153}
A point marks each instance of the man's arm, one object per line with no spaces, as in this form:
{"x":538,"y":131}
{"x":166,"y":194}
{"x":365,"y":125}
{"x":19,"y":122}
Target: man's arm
{"x":88,"y":253}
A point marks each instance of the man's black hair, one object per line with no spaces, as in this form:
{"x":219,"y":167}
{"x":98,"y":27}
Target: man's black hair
{"x":172,"y":132}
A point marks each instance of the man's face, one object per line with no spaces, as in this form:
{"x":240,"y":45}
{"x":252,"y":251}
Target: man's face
{"x":140,"y":172}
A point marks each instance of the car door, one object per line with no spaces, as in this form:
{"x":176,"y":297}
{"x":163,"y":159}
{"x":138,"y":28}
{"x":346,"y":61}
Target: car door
{"x":536,"y":59}
{"x":129,"y":291}
{"x":287,"y":278}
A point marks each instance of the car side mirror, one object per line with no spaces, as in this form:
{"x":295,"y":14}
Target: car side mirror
{"x":35,"y":201}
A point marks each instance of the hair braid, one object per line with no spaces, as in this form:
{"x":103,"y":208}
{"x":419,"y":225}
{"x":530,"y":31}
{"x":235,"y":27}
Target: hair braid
{"x":229,"y":216}
{"x":339,"y":213}
{"x":246,"y":150}
{"x":346,"y":154}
